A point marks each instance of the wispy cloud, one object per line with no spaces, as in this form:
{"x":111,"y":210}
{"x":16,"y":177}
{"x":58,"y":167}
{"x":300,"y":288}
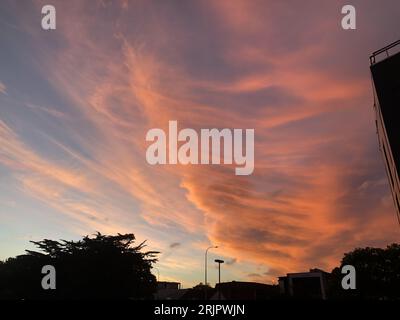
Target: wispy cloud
{"x":174,"y":245}
{"x":50,"y":111}
{"x":3,"y":88}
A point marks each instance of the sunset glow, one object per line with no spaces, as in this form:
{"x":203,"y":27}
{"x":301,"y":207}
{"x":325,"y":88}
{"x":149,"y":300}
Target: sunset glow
{"x":76,"y":104}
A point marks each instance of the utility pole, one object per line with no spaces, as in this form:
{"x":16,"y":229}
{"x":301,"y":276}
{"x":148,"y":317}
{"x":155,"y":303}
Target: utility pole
{"x":219,"y":261}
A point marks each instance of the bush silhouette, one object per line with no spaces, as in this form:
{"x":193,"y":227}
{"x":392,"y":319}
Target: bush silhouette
{"x":377,"y":274}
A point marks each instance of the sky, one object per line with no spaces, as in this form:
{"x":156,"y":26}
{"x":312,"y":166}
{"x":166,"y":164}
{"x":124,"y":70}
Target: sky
{"x":76,"y":104}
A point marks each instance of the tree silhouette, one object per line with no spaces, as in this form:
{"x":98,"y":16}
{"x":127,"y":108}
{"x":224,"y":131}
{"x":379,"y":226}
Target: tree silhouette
{"x":377,"y":273}
{"x":102,"y":266}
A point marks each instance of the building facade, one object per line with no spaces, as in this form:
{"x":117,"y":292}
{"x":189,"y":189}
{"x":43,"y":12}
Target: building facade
{"x":305,"y":285}
{"x":167,"y":290}
{"x":385,"y":70}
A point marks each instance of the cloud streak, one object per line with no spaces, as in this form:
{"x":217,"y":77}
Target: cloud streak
{"x":3,"y":88}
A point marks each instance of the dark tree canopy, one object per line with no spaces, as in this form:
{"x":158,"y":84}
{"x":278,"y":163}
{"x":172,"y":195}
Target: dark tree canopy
{"x":101,"y":266}
{"x":377,"y":273}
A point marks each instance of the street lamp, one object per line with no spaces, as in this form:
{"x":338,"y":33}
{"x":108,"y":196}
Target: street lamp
{"x":205,"y":270}
{"x":219,"y":261}
{"x":205,"y":264}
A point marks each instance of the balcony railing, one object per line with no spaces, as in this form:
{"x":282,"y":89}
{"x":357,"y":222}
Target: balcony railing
{"x":386,"y":50}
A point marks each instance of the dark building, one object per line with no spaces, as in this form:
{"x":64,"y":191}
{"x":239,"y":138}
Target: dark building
{"x":167,"y":290}
{"x":385,"y":69}
{"x":305,"y":285}
{"x":237,"y":290}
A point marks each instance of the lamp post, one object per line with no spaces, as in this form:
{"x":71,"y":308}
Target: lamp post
{"x":219,"y":261}
{"x":205,"y":270}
